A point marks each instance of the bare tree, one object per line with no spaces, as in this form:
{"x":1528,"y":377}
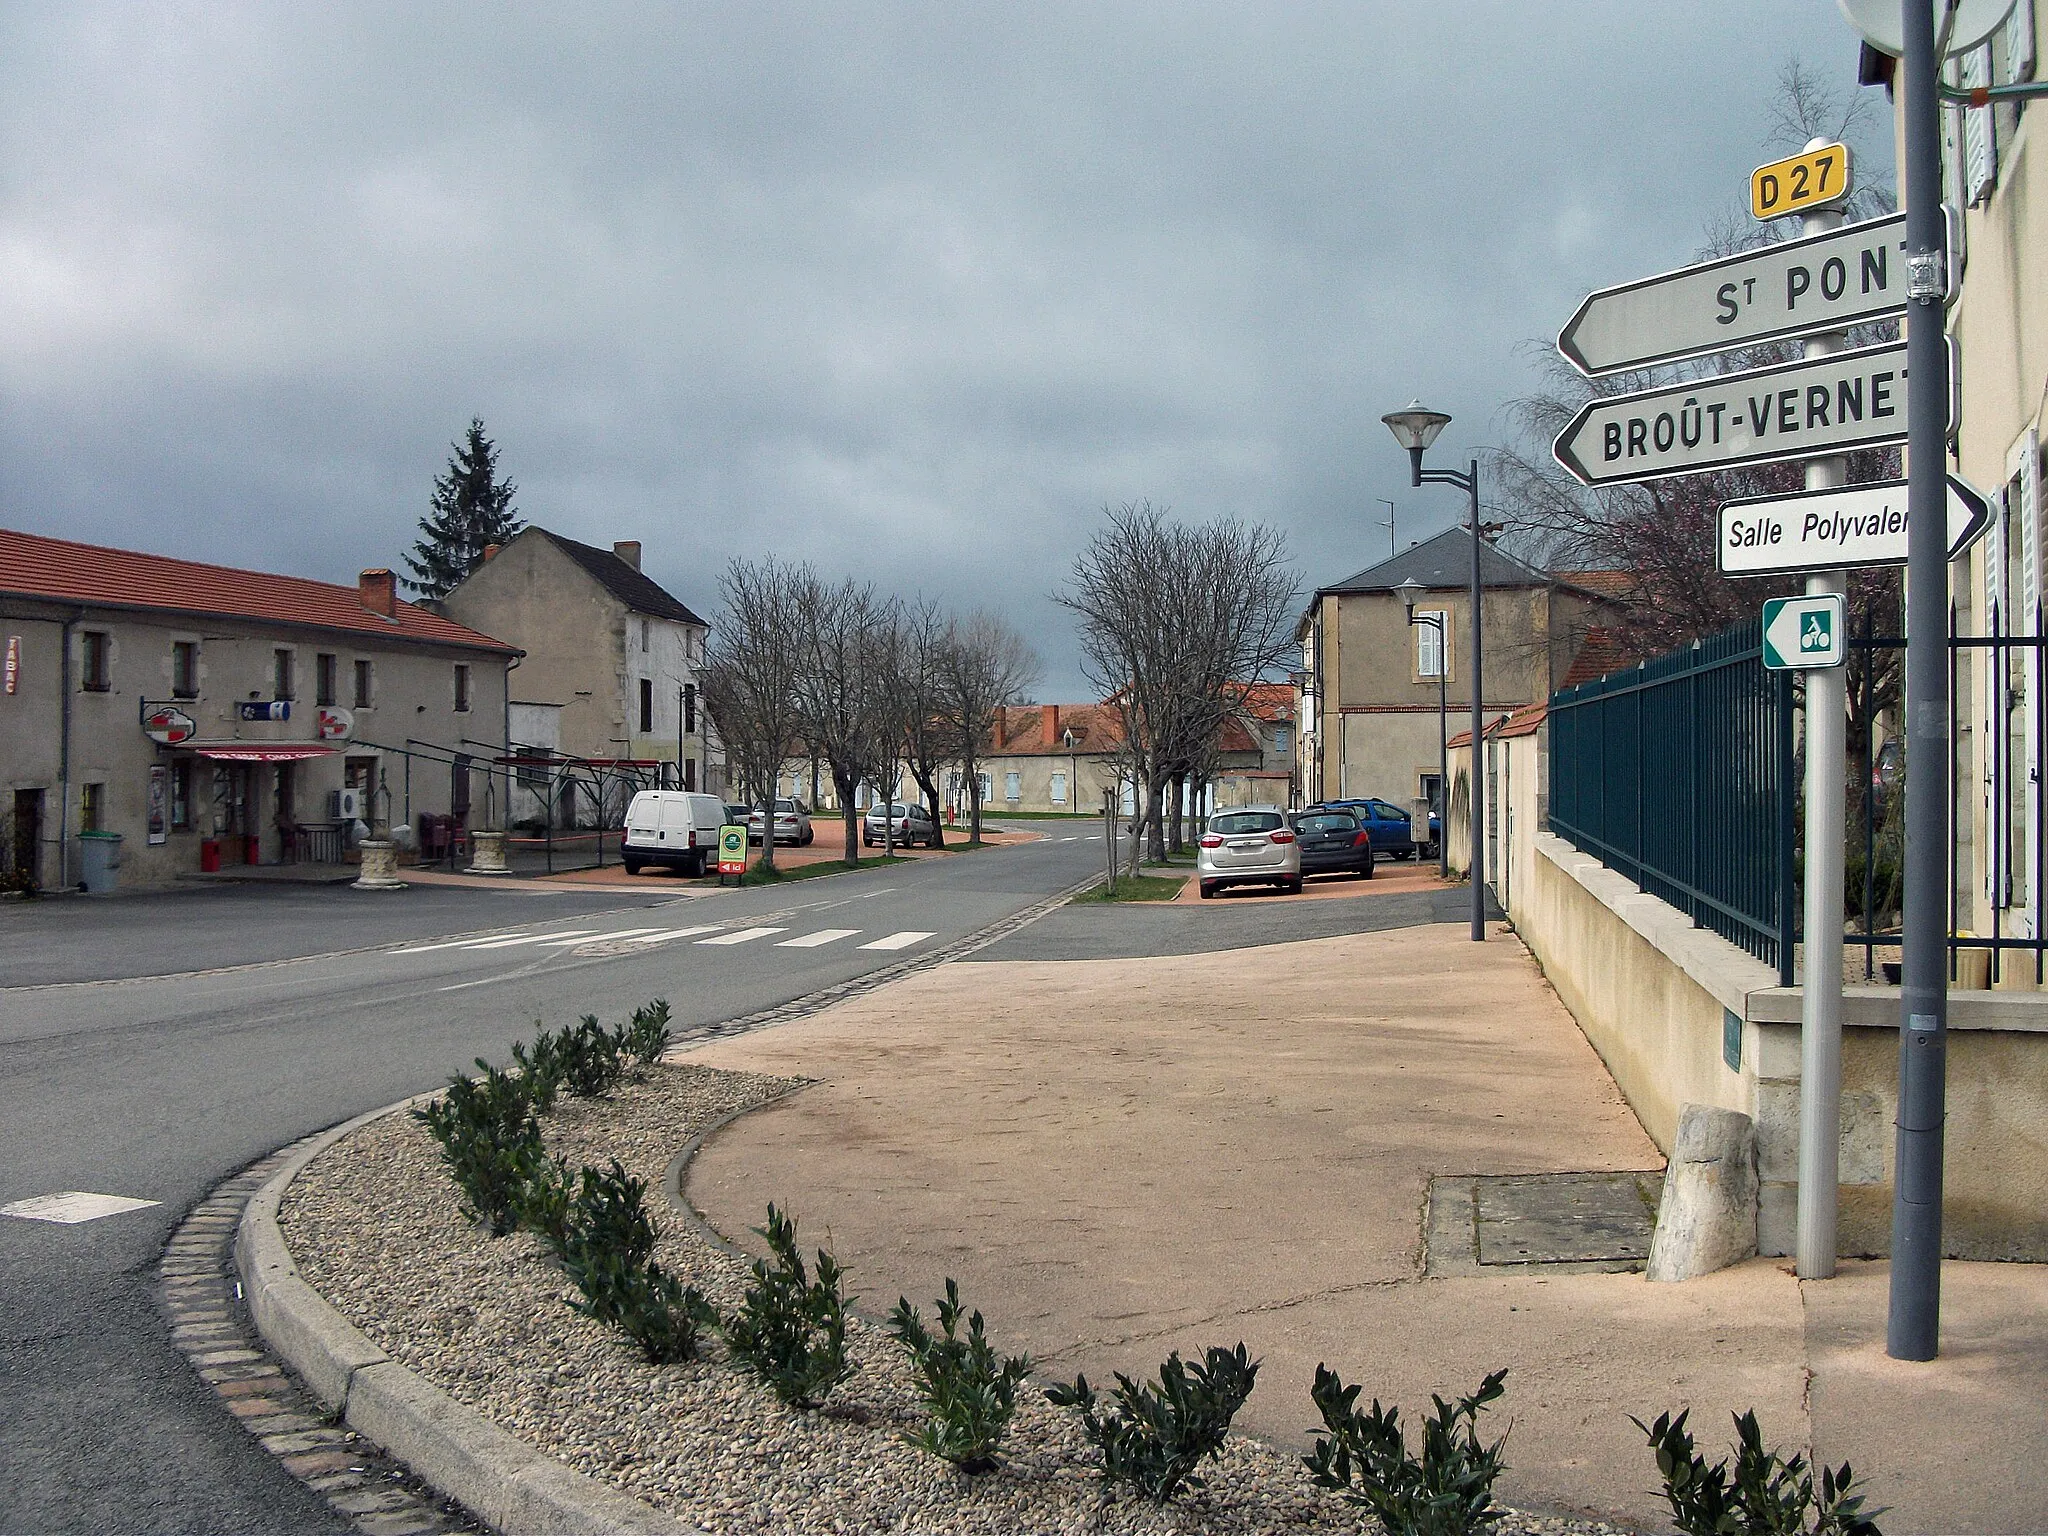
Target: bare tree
{"x":1177,"y":624}
{"x":930,"y":740}
{"x":841,"y":692}
{"x":984,"y":665}
{"x":750,"y":676}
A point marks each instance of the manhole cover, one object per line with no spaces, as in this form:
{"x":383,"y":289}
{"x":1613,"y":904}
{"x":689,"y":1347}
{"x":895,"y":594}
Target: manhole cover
{"x":1581,"y":1220}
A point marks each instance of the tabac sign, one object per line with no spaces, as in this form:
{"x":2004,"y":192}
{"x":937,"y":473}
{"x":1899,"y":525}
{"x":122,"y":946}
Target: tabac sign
{"x":168,"y":726}
{"x":1822,"y":405}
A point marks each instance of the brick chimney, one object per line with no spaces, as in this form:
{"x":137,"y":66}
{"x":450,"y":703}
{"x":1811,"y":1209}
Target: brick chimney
{"x":377,"y":590}
{"x":1050,"y":714}
{"x":491,"y":551}
{"x":1002,"y":726}
{"x":628,"y":550}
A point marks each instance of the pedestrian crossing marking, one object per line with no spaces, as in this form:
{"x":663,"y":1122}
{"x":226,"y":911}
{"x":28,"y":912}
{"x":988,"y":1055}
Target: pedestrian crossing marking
{"x":71,"y":1206}
{"x":663,"y":935}
{"x":744,"y":936}
{"x":901,"y":940}
{"x":421,"y":949}
{"x":584,"y":939}
{"x":822,"y":936}
{"x":534,"y":938}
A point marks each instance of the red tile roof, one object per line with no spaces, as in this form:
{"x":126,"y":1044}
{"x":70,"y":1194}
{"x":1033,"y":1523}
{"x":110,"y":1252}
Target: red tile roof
{"x":1600,"y":653}
{"x":58,"y":570}
{"x":1617,"y":584}
{"x":1040,"y":728}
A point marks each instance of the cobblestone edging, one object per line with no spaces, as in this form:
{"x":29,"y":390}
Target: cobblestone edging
{"x":211,"y":1325}
{"x":292,"y":1370}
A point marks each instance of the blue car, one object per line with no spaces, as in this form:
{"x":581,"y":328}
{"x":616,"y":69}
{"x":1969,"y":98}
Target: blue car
{"x":1393,"y":834}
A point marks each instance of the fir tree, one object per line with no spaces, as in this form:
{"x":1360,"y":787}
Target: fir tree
{"x":472,"y":508}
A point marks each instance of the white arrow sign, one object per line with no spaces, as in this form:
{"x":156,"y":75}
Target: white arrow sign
{"x":1803,"y":632}
{"x":1826,"y":282}
{"x":1799,"y":410}
{"x":1836,"y":529}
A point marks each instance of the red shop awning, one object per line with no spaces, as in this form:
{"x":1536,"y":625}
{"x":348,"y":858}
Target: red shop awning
{"x":261,"y":751}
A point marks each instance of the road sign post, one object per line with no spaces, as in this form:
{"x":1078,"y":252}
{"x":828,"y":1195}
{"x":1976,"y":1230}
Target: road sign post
{"x":732,"y":853}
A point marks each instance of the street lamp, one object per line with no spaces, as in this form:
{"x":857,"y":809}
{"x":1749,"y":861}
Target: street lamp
{"x":1410,"y":590}
{"x":1415,"y":427}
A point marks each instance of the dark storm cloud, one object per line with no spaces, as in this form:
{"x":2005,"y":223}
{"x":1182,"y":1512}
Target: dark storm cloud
{"x":910,"y":291}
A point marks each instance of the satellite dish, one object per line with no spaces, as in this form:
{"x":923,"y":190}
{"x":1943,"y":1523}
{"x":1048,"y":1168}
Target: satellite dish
{"x":1883,"y":25}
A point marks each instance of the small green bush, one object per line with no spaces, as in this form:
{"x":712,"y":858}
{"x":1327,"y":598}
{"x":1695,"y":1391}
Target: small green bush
{"x":610,"y":1217}
{"x":593,"y":1059}
{"x":607,"y":1240}
{"x":970,"y":1398}
{"x":647,"y":1036}
{"x":1765,"y":1495}
{"x":1447,"y":1491}
{"x":1155,"y":1436}
{"x":488,"y":1136}
{"x":790,"y":1330}
{"x":545,"y":1202}
{"x":542,"y":1068}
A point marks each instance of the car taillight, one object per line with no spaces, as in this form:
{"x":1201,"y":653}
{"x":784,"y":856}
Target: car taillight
{"x":1282,"y":836}
{"x":1363,"y":840}
{"x":1211,"y":840}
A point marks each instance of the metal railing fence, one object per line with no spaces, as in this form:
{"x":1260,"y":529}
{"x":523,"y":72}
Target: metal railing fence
{"x":1678,"y":774}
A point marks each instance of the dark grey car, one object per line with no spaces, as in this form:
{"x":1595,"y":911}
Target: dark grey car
{"x":1333,"y":842}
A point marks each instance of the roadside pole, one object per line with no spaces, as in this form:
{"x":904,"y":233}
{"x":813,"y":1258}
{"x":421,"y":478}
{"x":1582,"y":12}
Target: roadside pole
{"x":1913,"y":1325}
{"x":1109,"y":835}
{"x":1820,"y":1008}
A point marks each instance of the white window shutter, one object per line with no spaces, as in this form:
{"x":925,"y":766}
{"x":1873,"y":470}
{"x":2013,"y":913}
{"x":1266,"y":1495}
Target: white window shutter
{"x":2019,"y":43}
{"x":1980,"y":142}
{"x":2027,"y":474}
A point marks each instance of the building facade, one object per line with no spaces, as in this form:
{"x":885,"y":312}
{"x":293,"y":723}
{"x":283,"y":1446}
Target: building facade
{"x":610,"y":663}
{"x":211,"y":717}
{"x":1367,"y":695}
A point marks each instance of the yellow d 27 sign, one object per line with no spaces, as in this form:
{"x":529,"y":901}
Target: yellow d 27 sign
{"x":1813,"y":178}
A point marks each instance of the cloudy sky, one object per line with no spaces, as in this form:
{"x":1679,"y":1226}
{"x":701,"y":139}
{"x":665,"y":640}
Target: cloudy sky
{"x":911,"y":291}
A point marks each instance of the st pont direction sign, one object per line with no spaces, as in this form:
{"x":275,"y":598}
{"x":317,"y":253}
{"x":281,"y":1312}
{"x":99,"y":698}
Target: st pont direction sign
{"x":1836,"y":529}
{"x":1821,"y":405}
{"x":1825,"y":282}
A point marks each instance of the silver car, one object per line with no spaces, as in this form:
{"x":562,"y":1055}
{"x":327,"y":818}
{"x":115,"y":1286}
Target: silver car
{"x":1252,"y":845}
{"x":913,"y":826}
{"x":792,"y":823}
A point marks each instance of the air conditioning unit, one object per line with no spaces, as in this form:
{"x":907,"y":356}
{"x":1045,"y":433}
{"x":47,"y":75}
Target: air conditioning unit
{"x":347,"y":804}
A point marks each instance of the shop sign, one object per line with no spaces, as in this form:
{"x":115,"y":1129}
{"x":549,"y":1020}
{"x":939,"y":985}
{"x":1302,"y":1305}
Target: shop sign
{"x":264,"y":709}
{"x":169,"y":726}
{"x":732,"y":850}
{"x":159,"y":803}
{"x":333,"y":723}
{"x":13,"y":663}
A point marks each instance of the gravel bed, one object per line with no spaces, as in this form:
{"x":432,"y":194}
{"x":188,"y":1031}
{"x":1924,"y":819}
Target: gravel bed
{"x":374,"y":1226}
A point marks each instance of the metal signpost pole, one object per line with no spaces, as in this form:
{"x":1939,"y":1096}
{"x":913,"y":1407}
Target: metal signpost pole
{"x":1820,"y":1034}
{"x":1913,"y":1327}
{"x":1478,"y":859}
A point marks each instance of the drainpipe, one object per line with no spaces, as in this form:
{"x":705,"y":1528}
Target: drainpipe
{"x":505,"y":815}
{"x":64,"y":756}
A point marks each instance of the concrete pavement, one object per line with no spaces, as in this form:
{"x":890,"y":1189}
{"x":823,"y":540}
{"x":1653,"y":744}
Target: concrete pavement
{"x":1118,"y":1157}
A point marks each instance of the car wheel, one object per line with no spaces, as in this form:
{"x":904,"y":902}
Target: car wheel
{"x":807,"y":840}
{"x":633,"y":866}
{"x":1292,"y":887}
{"x":1365,"y":869}
{"x":1208,"y":890}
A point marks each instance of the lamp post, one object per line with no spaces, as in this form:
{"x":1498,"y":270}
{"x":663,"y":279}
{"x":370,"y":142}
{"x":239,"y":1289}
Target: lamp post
{"x":1410,"y":590}
{"x":1415,"y":427}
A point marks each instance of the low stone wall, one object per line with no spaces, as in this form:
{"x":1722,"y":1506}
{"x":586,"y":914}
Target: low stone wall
{"x":1682,"y":1016}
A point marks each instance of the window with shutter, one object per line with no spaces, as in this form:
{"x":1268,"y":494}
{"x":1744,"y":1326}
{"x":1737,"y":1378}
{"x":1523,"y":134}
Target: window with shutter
{"x":1980,"y":143}
{"x":1429,"y":644}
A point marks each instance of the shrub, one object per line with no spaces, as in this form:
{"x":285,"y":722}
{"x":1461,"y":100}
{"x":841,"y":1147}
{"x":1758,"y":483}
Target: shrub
{"x":1154,"y":1436}
{"x":610,"y":1217}
{"x":647,"y":1036}
{"x":488,"y":1135}
{"x":1766,"y":1494}
{"x":542,"y":1069}
{"x":593,"y":1060}
{"x":969,"y":1396}
{"x":790,"y":1330}
{"x":545,"y":1202}
{"x":607,"y":1239}
{"x":1447,"y":1491}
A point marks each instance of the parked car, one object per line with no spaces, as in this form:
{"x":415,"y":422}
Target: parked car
{"x":672,"y":829}
{"x":737,"y":815}
{"x":1393,"y":833}
{"x":1333,"y":842}
{"x":1252,"y":845}
{"x":913,"y":826}
{"x":792,"y":823}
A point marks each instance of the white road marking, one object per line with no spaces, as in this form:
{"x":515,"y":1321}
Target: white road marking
{"x":72,"y":1206}
{"x":534,"y":938}
{"x":421,"y":949}
{"x":663,"y":936}
{"x":822,"y":936}
{"x":744,"y":936}
{"x":623,"y":933}
{"x":901,"y":940}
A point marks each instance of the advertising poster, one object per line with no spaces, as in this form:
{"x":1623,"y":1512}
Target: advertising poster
{"x":159,"y":803}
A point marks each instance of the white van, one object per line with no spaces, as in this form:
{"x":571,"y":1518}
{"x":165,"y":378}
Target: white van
{"x":672,"y":827}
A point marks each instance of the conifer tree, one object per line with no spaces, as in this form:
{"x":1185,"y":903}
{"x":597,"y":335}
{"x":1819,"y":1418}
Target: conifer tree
{"x":472,"y":508}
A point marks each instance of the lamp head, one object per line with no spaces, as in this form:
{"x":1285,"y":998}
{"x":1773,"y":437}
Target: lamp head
{"x":1409,"y":590}
{"x":1415,"y":426}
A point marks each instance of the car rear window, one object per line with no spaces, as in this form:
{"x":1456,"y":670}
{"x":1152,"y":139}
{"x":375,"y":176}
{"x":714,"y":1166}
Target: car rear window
{"x":1329,"y":821}
{"x":1245,"y":821}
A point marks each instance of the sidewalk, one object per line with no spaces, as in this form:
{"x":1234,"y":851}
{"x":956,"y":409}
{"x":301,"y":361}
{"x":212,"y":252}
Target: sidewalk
{"x":1116,"y":1158}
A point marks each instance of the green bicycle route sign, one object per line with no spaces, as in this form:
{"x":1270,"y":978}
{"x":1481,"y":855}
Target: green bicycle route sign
{"x":1804,"y":632}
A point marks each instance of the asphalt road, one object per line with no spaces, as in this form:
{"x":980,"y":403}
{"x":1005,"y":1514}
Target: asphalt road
{"x":245,"y":1019}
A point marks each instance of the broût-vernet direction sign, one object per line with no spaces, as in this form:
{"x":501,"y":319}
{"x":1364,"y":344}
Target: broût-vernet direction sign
{"x":1825,"y":282}
{"x":1821,"y":405}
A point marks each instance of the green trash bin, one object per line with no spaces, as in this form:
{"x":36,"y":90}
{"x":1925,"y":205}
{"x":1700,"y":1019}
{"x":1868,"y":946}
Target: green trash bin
{"x":99,"y":855}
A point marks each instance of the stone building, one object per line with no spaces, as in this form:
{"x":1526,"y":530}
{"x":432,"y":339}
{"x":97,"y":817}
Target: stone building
{"x":1065,"y":757}
{"x":210,"y":716}
{"x":1367,"y":693}
{"x":610,"y":664}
